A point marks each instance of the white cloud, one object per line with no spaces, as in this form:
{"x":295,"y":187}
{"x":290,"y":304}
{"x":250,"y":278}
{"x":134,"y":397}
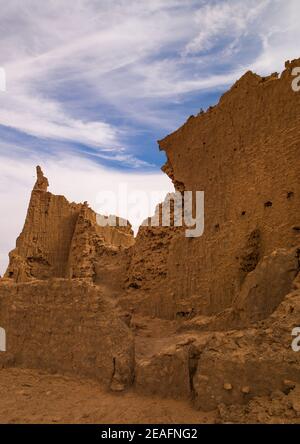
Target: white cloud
{"x":279,"y":37}
{"x":223,"y":19}
{"x":90,"y":40}
{"x":45,"y":119}
{"x":131,"y":56}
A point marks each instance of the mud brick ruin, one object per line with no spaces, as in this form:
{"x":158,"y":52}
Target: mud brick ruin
{"x":207,"y":319}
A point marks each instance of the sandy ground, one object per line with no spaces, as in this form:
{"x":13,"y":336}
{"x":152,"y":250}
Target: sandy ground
{"x":30,"y":396}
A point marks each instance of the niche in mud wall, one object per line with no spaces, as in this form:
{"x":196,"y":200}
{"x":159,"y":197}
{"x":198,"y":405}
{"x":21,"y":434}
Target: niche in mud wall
{"x":250,"y":254}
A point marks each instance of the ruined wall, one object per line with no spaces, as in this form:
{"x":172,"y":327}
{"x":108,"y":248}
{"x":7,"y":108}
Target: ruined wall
{"x":55,"y":318}
{"x":61,"y":239}
{"x":237,"y":365}
{"x":65,"y":326}
{"x":94,"y":247}
{"x":147,"y":284}
{"x":244,"y":154}
{"x":235,"y":289}
{"x":42,"y":249}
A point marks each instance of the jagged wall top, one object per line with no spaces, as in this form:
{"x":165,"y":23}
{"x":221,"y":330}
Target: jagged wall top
{"x":42,"y":183}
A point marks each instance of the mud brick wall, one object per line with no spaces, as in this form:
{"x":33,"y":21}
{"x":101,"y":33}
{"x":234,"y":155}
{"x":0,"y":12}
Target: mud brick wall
{"x":244,"y":154}
{"x":65,"y":326}
{"x":61,"y":239}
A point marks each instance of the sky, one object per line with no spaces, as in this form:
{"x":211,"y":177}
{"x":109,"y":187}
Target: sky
{"x":91,"y":85}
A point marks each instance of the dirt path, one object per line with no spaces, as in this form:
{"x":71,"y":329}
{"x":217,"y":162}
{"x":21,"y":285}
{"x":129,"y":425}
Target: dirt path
{"x":151,"y":335}
{"x":30,"y":396}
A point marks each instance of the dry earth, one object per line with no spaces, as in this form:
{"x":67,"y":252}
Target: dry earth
{"x":31,"y":396}
{"x":34,"y":396}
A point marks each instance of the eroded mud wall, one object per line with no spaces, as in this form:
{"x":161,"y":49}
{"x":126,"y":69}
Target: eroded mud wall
{"x":244,"y":154}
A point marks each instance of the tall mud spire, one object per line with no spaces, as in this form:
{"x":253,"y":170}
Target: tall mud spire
{"x":42,"y":181}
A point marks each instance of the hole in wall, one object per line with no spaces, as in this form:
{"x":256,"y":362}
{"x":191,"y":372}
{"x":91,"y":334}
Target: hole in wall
{"x":185,"y":314}
{"x":268,"y":204}
{"x":250,"y":254}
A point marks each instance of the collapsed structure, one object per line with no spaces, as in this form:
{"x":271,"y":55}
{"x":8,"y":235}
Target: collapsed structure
{"x":209,"y":318}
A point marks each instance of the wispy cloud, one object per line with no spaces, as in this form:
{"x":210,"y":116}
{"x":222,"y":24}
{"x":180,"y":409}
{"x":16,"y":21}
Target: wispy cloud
{"x":92,"y":71}
{"x":219,"y":21}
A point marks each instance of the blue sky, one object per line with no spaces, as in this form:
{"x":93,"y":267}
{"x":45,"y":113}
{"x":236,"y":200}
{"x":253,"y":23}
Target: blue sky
{"x":107,"y":79}
{"x":95,"y":83}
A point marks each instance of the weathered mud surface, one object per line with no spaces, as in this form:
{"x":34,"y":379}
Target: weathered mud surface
{"x":164,"y":328}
